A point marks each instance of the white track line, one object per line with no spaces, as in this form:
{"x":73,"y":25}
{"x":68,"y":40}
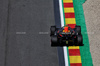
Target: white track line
{"x":62,"y":24}
{"x":61,"y":13}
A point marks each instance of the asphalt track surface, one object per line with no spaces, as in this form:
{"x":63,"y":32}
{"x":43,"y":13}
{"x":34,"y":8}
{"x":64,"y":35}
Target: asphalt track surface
{"x":21,"y":22}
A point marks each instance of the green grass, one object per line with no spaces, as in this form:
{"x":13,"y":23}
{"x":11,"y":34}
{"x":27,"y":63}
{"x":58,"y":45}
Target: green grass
{"x":80,"y":20}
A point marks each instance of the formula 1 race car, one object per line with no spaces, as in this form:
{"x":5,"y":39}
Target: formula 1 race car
{"x":66,"y":36}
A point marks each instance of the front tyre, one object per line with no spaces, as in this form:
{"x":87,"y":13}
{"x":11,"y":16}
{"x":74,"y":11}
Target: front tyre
{"x":52,"y":30}
{"x":78,"y":29}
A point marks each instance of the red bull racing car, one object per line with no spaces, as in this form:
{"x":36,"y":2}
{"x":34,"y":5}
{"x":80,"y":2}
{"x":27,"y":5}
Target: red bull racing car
{"x":66,"y":36}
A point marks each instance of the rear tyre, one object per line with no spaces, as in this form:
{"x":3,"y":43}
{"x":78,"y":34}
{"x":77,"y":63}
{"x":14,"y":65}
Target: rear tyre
{"x":52,"y":30}
{"x":78,"y":30}
{"x":79,"y":40}
{"x":54,"y":40}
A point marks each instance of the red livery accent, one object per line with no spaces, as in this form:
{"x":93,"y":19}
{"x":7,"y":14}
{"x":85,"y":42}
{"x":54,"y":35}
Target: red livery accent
{"x":60,"y":35}
{"x":74,"y":52}
{"x":68,"y":4}
{"x":66,"y":29}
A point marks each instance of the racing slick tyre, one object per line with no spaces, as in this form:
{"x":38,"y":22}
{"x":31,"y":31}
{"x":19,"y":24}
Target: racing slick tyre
{"x":54,"y":40}
{"x":52,"y":30}
{"x":78,"y":30}
{"x":79,"y":40}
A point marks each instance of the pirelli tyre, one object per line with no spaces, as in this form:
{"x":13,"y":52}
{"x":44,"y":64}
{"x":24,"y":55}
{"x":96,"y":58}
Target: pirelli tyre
{"x":79,"y":40}
{"x":52,"y":30}
{"x":78,"y":29}
{"x":54,"y":40}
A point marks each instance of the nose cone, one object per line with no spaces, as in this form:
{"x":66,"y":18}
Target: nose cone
{"x":66,"y":29}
